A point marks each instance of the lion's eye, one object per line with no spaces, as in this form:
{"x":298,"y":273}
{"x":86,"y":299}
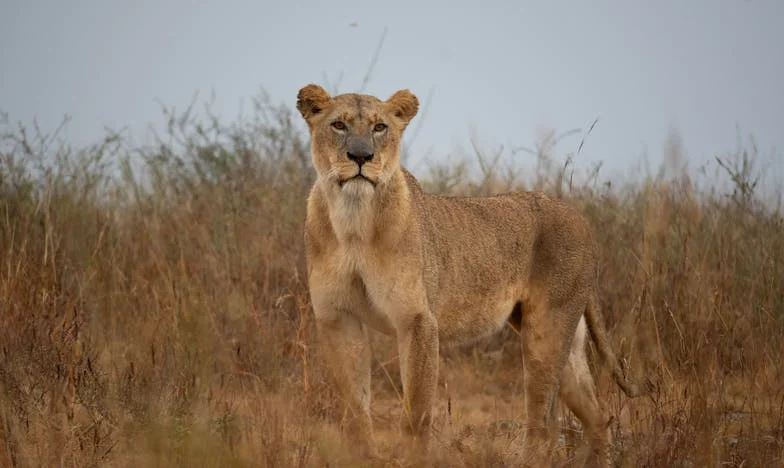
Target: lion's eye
{"x":380,"y":127}
{"x":338,"y":125}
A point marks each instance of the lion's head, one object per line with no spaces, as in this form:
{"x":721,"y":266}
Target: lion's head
{"x":355,"y":138}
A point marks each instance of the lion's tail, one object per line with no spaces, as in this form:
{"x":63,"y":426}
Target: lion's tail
{"x":599,"y":334}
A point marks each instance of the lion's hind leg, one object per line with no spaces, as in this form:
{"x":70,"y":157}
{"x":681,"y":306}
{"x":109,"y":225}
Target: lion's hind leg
{"x":579,"y":394}
{"x":546,"y":333}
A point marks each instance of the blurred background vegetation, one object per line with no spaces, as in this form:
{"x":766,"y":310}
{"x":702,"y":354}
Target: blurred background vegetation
{"x":154,"y":306}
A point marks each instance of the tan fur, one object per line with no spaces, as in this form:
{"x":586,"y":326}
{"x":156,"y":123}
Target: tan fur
{"x":433,"y":270}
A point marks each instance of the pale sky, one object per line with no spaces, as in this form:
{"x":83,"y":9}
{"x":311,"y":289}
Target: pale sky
{"x":499,"y":69}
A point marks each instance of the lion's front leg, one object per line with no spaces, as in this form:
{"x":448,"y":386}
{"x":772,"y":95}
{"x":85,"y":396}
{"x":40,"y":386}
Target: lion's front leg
{"x":418,"y":349}
{"x":347,"y":352}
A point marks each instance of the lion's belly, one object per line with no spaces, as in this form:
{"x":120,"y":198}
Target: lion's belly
{"x":465,"y":312}
{"x":464,"y":320}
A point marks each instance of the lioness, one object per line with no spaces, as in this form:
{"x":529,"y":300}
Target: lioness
{"x":430,"y":270}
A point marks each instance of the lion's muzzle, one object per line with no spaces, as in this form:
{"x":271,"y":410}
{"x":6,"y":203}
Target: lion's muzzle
{"x":360,"y":150}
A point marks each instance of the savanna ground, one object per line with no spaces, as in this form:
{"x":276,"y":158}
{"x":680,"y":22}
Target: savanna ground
{"x":154,"y":309}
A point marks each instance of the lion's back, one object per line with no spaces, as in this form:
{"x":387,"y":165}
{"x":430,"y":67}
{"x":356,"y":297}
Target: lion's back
{"x":475,"y":242}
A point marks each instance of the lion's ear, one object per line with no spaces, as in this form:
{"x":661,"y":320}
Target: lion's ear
{"x":404,"y":105}
{"x":311,"y":100}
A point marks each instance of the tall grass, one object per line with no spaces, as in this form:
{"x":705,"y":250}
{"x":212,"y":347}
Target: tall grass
{"x":154,"y":309}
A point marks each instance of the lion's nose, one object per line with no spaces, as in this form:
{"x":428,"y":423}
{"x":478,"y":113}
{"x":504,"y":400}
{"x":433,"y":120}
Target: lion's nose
{"x":360,"y":157}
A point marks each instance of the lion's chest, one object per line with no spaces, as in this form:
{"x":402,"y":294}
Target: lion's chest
{"x":389,"y":283}
{"x":370,"y":277}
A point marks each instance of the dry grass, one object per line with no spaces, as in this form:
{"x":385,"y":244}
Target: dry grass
{"x":154,"y":311}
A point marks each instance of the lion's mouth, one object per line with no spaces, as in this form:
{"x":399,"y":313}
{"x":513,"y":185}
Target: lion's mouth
{"x":359,"y":176}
